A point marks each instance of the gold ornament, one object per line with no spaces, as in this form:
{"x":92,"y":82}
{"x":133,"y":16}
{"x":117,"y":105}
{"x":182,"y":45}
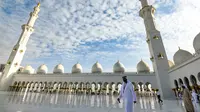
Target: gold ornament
{"x":156,"y":37}
{"x":160,"y":56}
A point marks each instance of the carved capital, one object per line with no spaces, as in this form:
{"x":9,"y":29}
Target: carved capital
{"x":147,"y":9}
{"x":34,"y":14}
{"x":26,"y":27}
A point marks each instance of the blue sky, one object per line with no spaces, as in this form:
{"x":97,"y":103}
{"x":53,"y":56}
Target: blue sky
{"x":86,"y":31}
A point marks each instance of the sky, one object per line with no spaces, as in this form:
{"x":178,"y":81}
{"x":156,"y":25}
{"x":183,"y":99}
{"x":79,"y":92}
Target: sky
{"x":87,"y":31}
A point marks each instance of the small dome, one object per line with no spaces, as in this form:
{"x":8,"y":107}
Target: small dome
{"x":118,"y":67}
{"x":42,"y":69}
{"x":181,"y":56}
{"x":28,"y":70}
{"x":77,"y":68}
{"x":171,"y":64}
{"x":142,"y":67}
{"x":196,"y":44}
{"x":97,"y":68}
{"x":58,"y":69}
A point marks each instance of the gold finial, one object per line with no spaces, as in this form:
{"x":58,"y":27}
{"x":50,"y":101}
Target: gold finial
{"x":38,"y":5}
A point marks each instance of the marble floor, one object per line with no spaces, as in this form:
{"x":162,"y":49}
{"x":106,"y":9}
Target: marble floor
{"x":38,"y":102}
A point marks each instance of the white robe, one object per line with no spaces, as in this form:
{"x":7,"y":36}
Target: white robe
{"x":128,"y":96}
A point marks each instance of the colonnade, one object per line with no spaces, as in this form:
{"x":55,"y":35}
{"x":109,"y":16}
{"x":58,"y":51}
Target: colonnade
{"x":190,"y":83}
{"x":107,"y":88}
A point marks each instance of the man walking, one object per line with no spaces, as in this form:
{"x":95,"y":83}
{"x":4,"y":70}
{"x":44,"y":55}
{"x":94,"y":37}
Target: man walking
{"x":159,"y":98}
{"x":128,"y":94}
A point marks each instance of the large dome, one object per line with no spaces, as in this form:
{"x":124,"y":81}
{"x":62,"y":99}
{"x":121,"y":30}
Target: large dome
{"x":42,"y":69}
{"x":118,"y":67}
{"x":28,"y":70}
{"x":142,"y":67}
{"x":77,"y":68}
{"x":97,"y":68}
{"x":196,"y":43}
{"x":171,"y":64}
{"x":181,"y":56}
{"x":58,"y":69}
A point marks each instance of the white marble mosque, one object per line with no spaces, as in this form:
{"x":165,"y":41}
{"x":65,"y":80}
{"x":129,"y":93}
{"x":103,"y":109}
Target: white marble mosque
{"x":77,"y":90}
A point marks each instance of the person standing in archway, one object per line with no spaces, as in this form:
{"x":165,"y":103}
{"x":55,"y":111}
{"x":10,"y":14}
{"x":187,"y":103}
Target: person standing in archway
{"x":128,"y":94}
{"x":187,"y":100}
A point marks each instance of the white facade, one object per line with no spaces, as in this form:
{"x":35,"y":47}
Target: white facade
{"x":166,"y":72}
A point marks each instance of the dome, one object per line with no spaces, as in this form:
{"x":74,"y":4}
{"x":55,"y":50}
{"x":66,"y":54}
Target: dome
{"x":171,"y":64}
{"x":118,"y":67}
{"x":97,"y":68}
{"x":181,"y":56}
{"x":196,"y":44}
{"x":142,"y":67}
{"x":28,"y":70}
{"x":77,"y":68}
{"x":42,"y":69}
{"x":58,"y":69}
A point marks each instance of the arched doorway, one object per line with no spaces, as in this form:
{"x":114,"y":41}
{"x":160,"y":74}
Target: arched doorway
{"x":93,"y":88}
{"x":87,"y":88}
{"x":187,"y":83}
{"x":112,"y":87}
{"x":140,"y":86}
{"x":99,"y":87}
{"x":118,"y":87}
{"x":193,"y":80}
{"x":148,"y":86}
{"x":176,"y":84}
{"x":70,"y":86}
{"x":180,"y":82}
{"x":134,"y":85}
{"x":106,"y":86}
{"x":198,"y":75}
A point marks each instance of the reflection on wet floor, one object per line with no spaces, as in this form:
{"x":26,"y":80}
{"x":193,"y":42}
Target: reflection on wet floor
{"x":90,"y":101}
{"x":75,"y":100}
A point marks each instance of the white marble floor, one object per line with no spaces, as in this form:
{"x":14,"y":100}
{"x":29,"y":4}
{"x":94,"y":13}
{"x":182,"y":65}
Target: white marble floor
{"x":37,"y":102}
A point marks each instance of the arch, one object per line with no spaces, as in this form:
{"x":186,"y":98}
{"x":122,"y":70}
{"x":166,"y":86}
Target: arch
{"x":45,"y":85}
{"x":19,"y":83}
{"x":93,"y":87}
{"x":81,"y":86}
{"x":64,"y":85}
{"x":112,"y":87}
{"x":99,"y":86}
{"x":148,"y":86}
{"x":15,"y":83}
{"x":118,"y":87}
{"x":187,"y":83}
{"x":23,"y":83}
{"x":40,"y":86}
{"x":140,"y":86}
{"x":134,"y":85}
{"x":31,"y":86}
{"x":106,"y":87}
{"x":198,"y":75}
{"x":176,"y":84}
{"x":87,"y":85}
{"x":193,"y":79}
{"x":180,"y":81}
{"x":76,"y":85}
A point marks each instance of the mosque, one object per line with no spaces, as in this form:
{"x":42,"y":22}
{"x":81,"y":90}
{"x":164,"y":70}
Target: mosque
{"x":167,"y":76}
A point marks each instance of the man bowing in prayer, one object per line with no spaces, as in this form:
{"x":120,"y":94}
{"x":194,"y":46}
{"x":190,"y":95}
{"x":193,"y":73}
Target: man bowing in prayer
{"x":128,"y":94}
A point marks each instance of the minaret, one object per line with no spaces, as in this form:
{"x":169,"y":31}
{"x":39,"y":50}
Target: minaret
{"x":19,"y":49}
{"x":157,"y":50}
